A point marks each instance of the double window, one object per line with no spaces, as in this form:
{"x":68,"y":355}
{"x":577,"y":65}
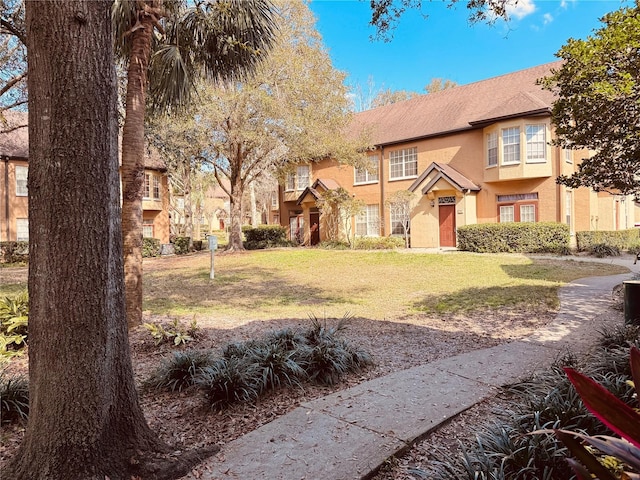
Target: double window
{"x":298,"y":180}
{"x":518,"y":208}
{"x":147,"y":228}
{"x":151,"y":186}
{"x":21,"y":181}
{"x":369,"y":174}
{"x":403,"y":163}
{"x":506,"y":148}
{"x":368,"y":222}
{"x":398,"y":221}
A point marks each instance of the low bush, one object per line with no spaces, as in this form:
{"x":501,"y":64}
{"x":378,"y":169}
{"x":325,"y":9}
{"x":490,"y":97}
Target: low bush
{"x":14,"y":398}
{"x":378,"y":243}
{"x":180,"y":371}
{"x":181,"y":245}
{"x":543,"y":237}
{"x":265,"y":236}
{"x":150,"y":247}
{"x":14,"y":318}
{"x":14,"y":252}
{"x":602,"y":250}
{"x":176,"y":332}
{"x":334,"y":245}
{"x":230,"y":380}
{"x":620,"y":239}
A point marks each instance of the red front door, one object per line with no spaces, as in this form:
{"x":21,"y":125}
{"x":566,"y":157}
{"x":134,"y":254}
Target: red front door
{"x":447,"y":215}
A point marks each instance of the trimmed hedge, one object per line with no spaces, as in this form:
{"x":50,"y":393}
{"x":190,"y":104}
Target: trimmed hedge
{"x":543,"y":237}
{"x":150,"y":247}
{"x":378,"y":243}
{"x":265,"y":236}
{"x":14,"y":252}
{"x":620,"y":239}
{"x":181,"y":245}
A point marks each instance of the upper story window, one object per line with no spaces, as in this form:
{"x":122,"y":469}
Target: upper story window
{"x":536,"y":143}
{"x":492,"y":149}
{"x":403,"y":163}
{"x":367,"y":175}
{"x":151,"y":186}
{"x":511,"y":145}
{"x":21,"y":181}
{"x":298,"y":180}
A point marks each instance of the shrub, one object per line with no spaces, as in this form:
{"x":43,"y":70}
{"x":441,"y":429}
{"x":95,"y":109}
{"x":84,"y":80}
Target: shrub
{"x":14,"y":252}
{"x":14,"y":318}
{"x":14,"y":398}
{"x":334,"y":245}
{"x":176,"y":332}
{"x":150,"y":247}
{"x":180,"y":371}
{"x":198,"y":245}
{"x":543,"y":237}
{"x":181,"y":245}
{"x":265,"y":236}
{"x":602,"y":250}
{"x":621,"y":239}
{"x":230,"y":380}
{"x":378,"y":243}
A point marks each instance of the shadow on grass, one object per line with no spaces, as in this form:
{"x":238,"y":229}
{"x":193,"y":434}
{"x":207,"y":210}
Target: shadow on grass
{"x":526,"y":296}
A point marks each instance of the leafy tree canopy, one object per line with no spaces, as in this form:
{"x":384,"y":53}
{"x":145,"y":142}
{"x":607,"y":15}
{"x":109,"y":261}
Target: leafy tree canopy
{"x":598,"y":106}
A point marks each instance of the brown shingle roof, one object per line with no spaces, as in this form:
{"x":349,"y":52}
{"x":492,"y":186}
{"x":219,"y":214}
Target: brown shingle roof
{"x":450,"y":174}
{"x":458,"y":108}
{"x":15,"y":144}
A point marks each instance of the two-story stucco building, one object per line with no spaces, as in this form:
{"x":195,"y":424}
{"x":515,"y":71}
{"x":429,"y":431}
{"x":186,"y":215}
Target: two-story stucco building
{"x":14,"y":168}
{"x":477,"y":153}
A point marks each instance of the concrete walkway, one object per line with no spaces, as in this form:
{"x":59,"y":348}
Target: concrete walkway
{"x":348,"y":435}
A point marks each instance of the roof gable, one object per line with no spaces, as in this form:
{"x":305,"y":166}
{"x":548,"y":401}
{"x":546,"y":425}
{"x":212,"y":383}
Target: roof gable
{"x":440,"y":171}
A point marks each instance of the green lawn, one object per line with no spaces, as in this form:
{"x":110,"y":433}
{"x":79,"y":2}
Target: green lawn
{"x":295,"y":283}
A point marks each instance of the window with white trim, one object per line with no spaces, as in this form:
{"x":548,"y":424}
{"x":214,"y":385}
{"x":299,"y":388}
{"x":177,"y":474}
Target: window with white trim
{"x":298,"y":180}
{"x":397,"y":220}
{"x":511,"y":145}
{"x":368,"y":222}
{"x":151,"y":186}
{"x":568,"y":155}
{"x":403,"y":163}
{"x":507,"y":214}
{"x":22,"y":229}
{"x":367,"y":175}
{"x":21,"y":180}
{"x":156,"y":187}
{"x":527,"y":213}
{"x":568,"y":202}
{"x":536,"y":143}
{"x":147,"y":228}
{"x":492,"y":149}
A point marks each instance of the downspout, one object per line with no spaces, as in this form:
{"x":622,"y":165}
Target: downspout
{"x":381,"y":176}
{"x":6,"y":195}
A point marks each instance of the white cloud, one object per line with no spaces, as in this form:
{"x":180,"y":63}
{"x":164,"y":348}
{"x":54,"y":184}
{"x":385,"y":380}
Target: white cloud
{"x":520,"y":8}
{"x":564,"y":4}
{"x":547,"y":18}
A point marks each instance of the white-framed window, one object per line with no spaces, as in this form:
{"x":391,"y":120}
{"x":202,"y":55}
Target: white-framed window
{"x":151,"y":186}
{"x":527,"y":213}
{"x":507,"y":214}
{"x":147,"y":228}
{"x":22,"y":229}
{"x":568,"y":155}
{"x":511,"y":145}
{"x":274,"y":200}
{"x":21,"y":180}
{"x":397,"y":220}
{"x":298,"y":180}
{"x":367,"y":175}
{"x":568,"y":203}
{"x":492,"y":149}
{"x":368,"y":222}
{"x":403,"y":163}
{"x":536,"y":143}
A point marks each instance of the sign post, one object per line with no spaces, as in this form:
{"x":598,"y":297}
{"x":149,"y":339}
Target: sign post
{"x":213,"y":246}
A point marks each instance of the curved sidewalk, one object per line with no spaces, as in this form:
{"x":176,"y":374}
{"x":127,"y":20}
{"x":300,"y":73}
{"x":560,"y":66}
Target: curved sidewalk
{"x":348,"y":435}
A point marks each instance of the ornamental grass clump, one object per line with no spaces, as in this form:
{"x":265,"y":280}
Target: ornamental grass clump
{"x":14,"y":398}
{"x":179,"y":372}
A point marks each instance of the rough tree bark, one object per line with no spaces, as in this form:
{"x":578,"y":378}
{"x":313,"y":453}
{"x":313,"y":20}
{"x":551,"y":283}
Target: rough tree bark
{"x":85,"y":420}
{"x":133,"y":158}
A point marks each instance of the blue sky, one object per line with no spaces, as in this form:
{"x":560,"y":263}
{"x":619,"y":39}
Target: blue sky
{"x":445,"y":46}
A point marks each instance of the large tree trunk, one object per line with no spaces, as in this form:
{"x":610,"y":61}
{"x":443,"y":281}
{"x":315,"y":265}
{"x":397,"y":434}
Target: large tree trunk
{"x":84,"y":419}
{"x":235,"y":220}
{"x":133,"y":166}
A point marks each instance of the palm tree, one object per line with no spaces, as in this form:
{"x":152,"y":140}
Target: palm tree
{"x":167,"y":45}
